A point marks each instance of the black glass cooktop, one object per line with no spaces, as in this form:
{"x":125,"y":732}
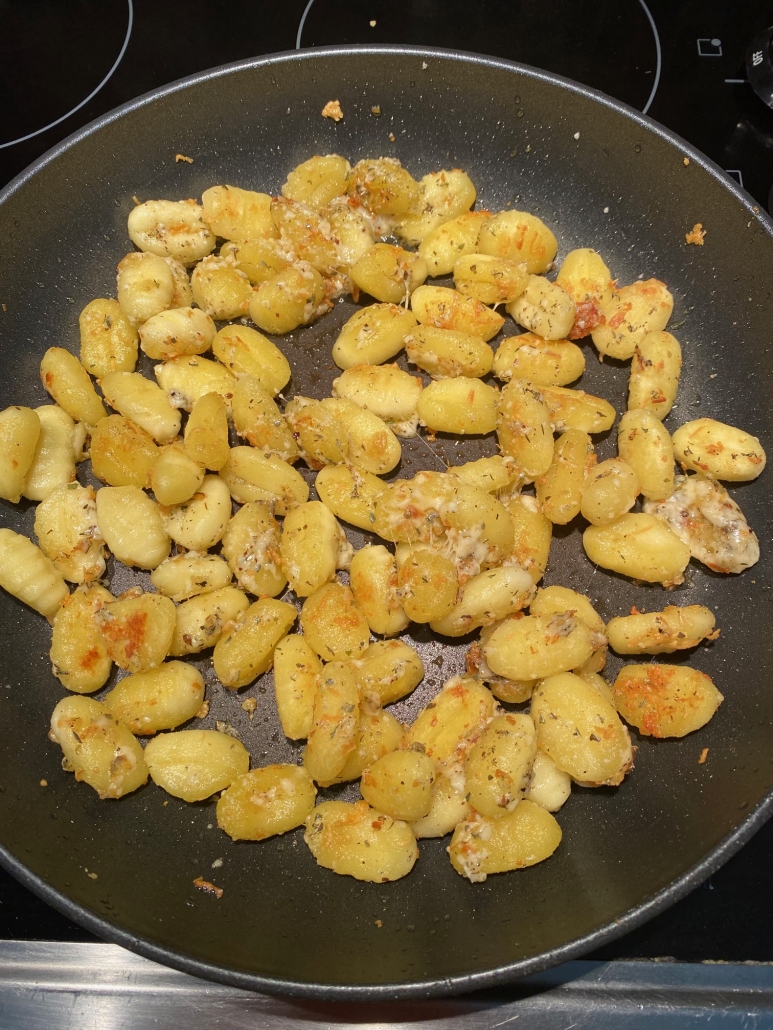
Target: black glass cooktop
{"x":683,"y":63}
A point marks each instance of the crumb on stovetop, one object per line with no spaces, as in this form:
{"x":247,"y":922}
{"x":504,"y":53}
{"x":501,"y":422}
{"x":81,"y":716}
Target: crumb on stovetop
{"x":696,"y":235}
{"x":181,"y":157}
{"x":207,"y":887}
{"x":704,"y":756}
{"x":332,"y":109}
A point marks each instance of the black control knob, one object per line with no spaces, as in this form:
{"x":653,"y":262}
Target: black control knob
{"x":759,"y":65}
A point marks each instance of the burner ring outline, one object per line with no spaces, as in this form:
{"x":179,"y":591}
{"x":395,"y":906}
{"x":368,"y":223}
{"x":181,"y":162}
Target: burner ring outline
{"x":92,"y":94}
{"x":653,"y":26}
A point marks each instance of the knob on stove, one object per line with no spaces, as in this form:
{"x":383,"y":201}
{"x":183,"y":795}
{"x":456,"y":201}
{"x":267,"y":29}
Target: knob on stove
{"x":759,"y":65}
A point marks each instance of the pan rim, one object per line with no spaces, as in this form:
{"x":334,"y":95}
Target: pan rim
{"x":461,"y":982}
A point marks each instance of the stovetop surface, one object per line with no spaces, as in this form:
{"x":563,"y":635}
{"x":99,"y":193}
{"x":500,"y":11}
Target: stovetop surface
{"x":61,"y":65}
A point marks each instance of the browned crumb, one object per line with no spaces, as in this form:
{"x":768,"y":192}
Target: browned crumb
{"x":431,"y":438}
{"x":376,"y":109}
{"x":714,"y":635}
{"x":696,"y":235}
{"x":391,"y":137}
{"x":4,"y":308}
{"x":44,"y":783}
{"x":372,"y":23}
{"x":210,"y":888}
{"x":227,"y":728}
{"x":332,"y":109}
{"x":181,"y":157}
{"x":686,"y":161}
{"x":136,"y":200}
{"x":379,"y":923}
{"x":635,"y":610}
{"x":704,"y":756}
{"x":203,"y":712}
{"x":249,"y":704}
{"x":91,"y":876}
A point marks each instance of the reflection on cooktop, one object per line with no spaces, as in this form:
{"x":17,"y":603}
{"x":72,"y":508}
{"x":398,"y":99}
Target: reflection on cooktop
{"x":54,"y":58}
{"x":611,"y":45}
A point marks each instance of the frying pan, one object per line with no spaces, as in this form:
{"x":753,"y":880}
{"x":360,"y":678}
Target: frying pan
{"x":601,"y":175}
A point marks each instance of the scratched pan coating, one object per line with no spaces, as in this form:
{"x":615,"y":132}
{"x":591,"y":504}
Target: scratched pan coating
{"x":600,"y":175}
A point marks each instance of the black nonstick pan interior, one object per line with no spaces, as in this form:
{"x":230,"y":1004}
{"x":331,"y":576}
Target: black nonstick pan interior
{"x":601,"y":176}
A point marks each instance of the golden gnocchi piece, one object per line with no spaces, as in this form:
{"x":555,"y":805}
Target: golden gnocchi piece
{"x":68,"y":382}
{"x":79,"y":657}
{"x":122,"y":453}
{"x":575,"y":409}
{"x":132,"y":526}
{"x":185,"y":380}
{"x":333,"y":624}
{"x":491,"y":280}
{"x":550,"y":786}
{"x":317,"y":181}
{"x":220,"y":289}
{"x":389,"y":669}
{"x":463,"y":406}
{"x":251,"y":546}
{"x":447,"y":309}
{"x":99,"y":749}
{"x":188,"y":574}
{"x":305,"y":235}
{"x":673,"y":629}
{"x":665,"y":700}
{"x":29,"y":575}
{"x":206,"y":432}
{"x":309,"y":547}
{"x":452,"y":721}
{"x":443,"y":246}
{"x":356,"y":840}
{"x":252,"y":476}
{"x":543,"y":308}
{"x":560,"y":489}
{"x":19,"y":433}
{"x":265,"y":802}
{"x":524,"y":837}
{"x":384,"y":187}
{"x":246,"y":352}
{"x":68,"y":533}
{"x":295,"y":296}
{"x":644,"y":444}
{"x":540,"y":362}
{"x":370,"y":443}
{"x":378,"y":734}
{"x":175,"y":333}
{"x":586,"y":278}
{"x":195,"y":764}
{"x":137,"y":630}
{"x":486,"y":598}
{"x":159,"y":699}
{"x":634,"y":311}
{"x":655,"y":371}
{"x":521,"y":237}
{"x":537,"y":646}
{"x":442,"y":196}
{"x":373,"y":335}
{"x":201,"y":620}
{"x":498,"y":768}
{"x":427,"y":585}
{"x":374,"y":583}
{"x":145,"y":286}
{"x":532,"y":535}
{"x":321,"y":437}
{"x":385,"y":390}
{"x":579,"y":729}
{"x":238,"y":214}
{"x":174,"y":476}
{"x":400,"y":785}
{"x":350,"y":493}
{"x":200,"y":523}
{"x":246,"y":648}
{"x":296,"y":672}
{"x":108,"y":340}
{"x":59,"y":446}
{"x":448,"y":807}
{"x":640,"y":546}
{"x":334,"y":723}
{"x":525,"y":428}
{"x":258,"y":420}
{"x":142,"y":402}
{"x":555,"y":600}
{"x":259,"y":259}
{"x":171,"y":228}
{"x":444,"y":353}
{"x":496,"y":474}
{"x":611,"y":489}
{"x":718,"y":451}
{"x":388,"y":274}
